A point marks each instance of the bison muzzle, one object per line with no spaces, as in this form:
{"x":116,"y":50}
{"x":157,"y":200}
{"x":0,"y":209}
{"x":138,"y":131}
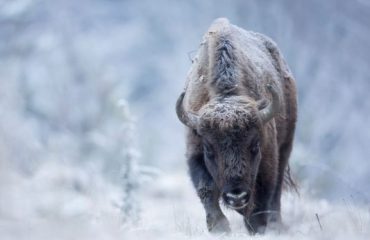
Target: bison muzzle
{"x":239,"y":105}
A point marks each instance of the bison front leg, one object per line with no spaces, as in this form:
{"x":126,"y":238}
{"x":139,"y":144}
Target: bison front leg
{"x":208,"y":194}
{"x":257,"y":221}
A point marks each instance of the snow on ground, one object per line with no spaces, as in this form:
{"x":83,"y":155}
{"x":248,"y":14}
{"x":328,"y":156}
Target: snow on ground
{"x":63,"y":202}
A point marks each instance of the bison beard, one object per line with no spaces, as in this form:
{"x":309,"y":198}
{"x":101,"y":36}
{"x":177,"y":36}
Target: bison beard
{"x":239,"y":106}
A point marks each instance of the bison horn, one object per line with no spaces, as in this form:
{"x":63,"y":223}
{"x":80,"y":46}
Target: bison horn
{"x":188,"y":119}
{"x":267,"y":113}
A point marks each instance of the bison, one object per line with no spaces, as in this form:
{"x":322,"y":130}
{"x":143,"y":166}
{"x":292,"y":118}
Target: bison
{"x":240,"y":108}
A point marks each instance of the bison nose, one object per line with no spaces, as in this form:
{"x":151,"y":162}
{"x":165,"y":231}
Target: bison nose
{"x":236,"y":198}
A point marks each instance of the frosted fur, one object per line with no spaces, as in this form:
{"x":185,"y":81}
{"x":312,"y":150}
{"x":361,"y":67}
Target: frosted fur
{"x":237,"y":142}
{"x":233,"y":113}
{"x":223,"y":73}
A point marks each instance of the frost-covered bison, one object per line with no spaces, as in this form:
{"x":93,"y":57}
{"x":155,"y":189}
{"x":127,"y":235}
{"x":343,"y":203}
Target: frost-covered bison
{"x":240,"y":109}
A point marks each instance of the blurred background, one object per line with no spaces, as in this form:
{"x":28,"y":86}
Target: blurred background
{"x":88,"y":88}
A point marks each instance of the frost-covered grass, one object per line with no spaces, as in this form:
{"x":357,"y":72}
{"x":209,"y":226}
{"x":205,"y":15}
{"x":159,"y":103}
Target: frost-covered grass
{"x":64,"y":202}
{"x":172,"y":210}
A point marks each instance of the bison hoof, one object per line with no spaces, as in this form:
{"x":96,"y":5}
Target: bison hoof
{"x":218,"y":224}
{"x":256,"y":224}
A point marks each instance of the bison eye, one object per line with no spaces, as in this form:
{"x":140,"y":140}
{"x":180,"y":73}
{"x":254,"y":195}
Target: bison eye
{"x":255,"y":148}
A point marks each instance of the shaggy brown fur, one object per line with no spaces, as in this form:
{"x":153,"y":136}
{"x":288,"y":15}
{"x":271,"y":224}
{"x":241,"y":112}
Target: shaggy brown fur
{"x":238,"y":142}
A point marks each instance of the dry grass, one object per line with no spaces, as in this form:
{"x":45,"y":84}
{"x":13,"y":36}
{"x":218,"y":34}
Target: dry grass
{"x":46,"y":206}
{"x":304,"y":217}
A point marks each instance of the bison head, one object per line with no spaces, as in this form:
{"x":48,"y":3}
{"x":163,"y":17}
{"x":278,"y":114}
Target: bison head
{"x":231,"y":129}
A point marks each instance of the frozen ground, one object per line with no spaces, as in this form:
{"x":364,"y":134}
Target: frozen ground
{"x":63,"y":202}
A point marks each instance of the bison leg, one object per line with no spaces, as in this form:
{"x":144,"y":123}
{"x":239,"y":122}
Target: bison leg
{"x":275,"y":204}
{"x":208,"y":194}
{"x":257,"y":221}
